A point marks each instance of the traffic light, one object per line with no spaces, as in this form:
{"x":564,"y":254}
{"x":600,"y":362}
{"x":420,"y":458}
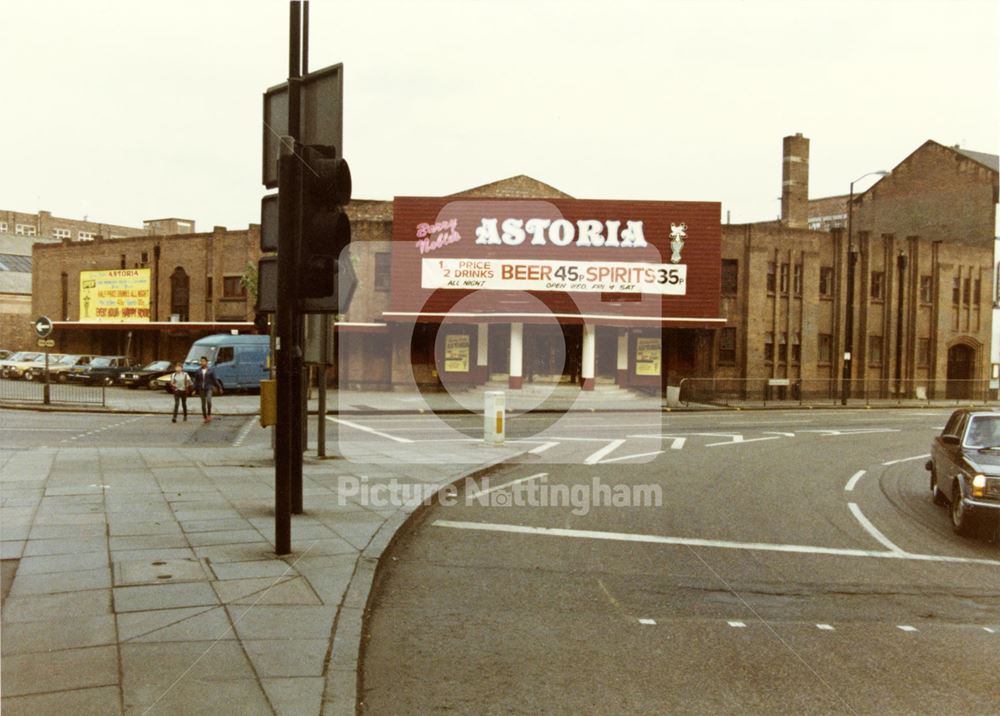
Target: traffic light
{"x":326,"y":230}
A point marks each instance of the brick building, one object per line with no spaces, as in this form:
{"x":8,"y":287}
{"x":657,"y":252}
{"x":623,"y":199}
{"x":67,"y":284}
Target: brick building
{"x":193,"y":287}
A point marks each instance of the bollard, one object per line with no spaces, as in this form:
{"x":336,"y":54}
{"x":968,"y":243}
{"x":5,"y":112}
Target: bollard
{"x":494,"y":421}
{"x":268,"y":403}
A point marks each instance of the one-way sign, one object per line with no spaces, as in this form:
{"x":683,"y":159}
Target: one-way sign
{"x":43,"y":326}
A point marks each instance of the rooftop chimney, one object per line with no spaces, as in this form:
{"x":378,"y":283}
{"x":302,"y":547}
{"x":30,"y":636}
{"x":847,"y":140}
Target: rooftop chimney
{"x":795,"y":182}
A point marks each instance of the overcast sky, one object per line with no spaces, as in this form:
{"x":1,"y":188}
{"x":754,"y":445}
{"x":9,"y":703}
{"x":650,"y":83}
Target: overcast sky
{"x":124,"y":111}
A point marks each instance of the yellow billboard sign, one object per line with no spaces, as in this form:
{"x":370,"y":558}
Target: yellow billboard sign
{"x":647,"y":356}
{"x":115,"y":296}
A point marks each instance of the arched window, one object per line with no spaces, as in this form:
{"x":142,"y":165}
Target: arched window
{"x":179,"y":293}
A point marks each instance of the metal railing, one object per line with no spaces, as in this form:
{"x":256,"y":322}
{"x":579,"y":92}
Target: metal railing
{"x":761,"y":392}
{"x":33,"y":391}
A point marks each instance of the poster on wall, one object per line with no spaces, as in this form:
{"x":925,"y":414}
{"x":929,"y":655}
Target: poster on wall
{"x":120,"y":296}
{"x":647,"y":356}
{"x":456,"y":353}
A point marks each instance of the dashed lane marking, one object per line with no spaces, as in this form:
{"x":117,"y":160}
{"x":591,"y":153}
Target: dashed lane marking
{"x":737,"y":625}
{"x":366,"y":429}
{"x":907,"y":459}
{"x":718,"y":544}
{"x":849,"y":487}
{"x":651,"y":622}
{"x":907,"y":628}
{"x":824,"y":627}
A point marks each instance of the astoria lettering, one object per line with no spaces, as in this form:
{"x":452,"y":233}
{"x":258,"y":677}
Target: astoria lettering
{"x":560,"y":232}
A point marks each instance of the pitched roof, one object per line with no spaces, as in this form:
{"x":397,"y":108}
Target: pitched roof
{"x":515,"y":187}
{"x":992,"y":161}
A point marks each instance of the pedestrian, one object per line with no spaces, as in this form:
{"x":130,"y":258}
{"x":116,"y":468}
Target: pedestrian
{"x":205,"y":383}
{"x":180,"y":386}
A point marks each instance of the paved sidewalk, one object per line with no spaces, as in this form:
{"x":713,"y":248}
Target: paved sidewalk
{"x":147,"y":581}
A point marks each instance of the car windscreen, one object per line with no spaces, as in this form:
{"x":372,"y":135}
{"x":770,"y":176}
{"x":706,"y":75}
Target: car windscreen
{"x":100,"y":362}
{"x":157,"y":365}
{"x":198,"y":351}
{"x":984,"y":431}
{"x":69,"y":360}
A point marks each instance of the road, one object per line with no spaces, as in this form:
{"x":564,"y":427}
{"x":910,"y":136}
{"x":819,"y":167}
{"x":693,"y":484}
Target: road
{"x":795,"y":564}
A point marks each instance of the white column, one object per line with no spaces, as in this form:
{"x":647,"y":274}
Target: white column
{"x":516,"y":379}
{"x":622,"y":373}
{"x":587,"y":359}
{"x":483,"y":352}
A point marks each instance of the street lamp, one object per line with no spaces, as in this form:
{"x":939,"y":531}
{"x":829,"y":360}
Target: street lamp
{"x":852,"y":258}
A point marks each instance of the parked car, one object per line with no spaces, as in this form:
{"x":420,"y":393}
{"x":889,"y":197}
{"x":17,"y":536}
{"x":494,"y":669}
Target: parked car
{"x":144,"y":377}
{"x":239,"y":361}
{"x":58,"y":369}
{"x":5,"y":354}
{"x":103,"y":370}
{"x":14,"y":367}
{"x":965,"y":468}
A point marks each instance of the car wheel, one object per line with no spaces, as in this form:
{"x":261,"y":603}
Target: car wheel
{"x":61,"y":378}
{"x":109,"y":380}
{"x":939,"y":498}
{"x":961,"y":519}
{"x":28,"y":376}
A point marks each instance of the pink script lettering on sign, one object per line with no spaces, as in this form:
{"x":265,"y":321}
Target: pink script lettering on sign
{"x":434,"y":236}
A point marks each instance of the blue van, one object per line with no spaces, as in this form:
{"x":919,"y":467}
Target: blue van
{"x":239,"y":361}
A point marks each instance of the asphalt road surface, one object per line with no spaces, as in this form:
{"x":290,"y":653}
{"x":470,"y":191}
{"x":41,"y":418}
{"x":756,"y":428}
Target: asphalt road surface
{"x":794,"y":564}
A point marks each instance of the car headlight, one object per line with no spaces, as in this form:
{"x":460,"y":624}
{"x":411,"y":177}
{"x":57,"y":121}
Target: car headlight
{"x":979,"y":486}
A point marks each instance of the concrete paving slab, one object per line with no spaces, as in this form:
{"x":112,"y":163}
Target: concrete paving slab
{"x":282,"y":622}
{"x":204,"y":539}
{"x":173,"y":540}
{"x":295,"y":696}
{"x":60,"y":670}
{"x":190,"y":678}
{"x":290,"y":589}
{"x":100,"y":701}
{"x":12,"y":549}
{"x":287,"y":657}
{"x":46,"y":607}
{"x":53,"y":583}
{"x":185,"y":625}
{"x":45,"y":547}
{"x":58,"y":634}
{"x":163,"y":596}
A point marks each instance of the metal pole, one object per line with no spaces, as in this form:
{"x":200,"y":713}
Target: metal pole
{"x":901,"y":265}
{"x":845,"y":384}
{"x":45,"y":390}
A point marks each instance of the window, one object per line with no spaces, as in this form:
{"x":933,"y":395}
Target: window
{"x":232,"y":287}
{"x":878,"y":286}
{"x":923,"y":352}
{"x":209,"y":289}
{"x":179,"y":294}
{"x":3,"y":227}
{"x":784,"y":278}
{"x":85,"y":235}
{"x":783,"y":348}
{"x":966,"y":290}
{"x":62,"y":234}
{"x":926,"y":289}
{"x":730,"y":277}
{"x":825,"y":348}
{"x":771,"y":271}
{"x":183,"y":226}
{"x":874,"y":350}
{"x":383,"y":271}
{"x":956,"y":290}
{"x":144,"y":258}
{"x":727,"y":346}
{"x":225,"y":355}
{"x":796,"y":348}
{"x":977,"y":291}
{"x":769,"y":347}
{"x":24,"y":230}
{"x":826,"y":281}
{"x":122,"y":261}
{"x":797,"y":279}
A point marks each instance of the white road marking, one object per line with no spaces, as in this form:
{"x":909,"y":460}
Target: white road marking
{"x":506,"y":484}
{"x":906,"y":459}
{"x":739,"y":440}
{"x":989,"y":630}
{"x":594,"y":458}
{"x":542,"y":448}
{"x":366,"y":429}
{"x":776,"y":432}
{"x":631,"y":457}
{"x":824,"y":627}
{"x":648,"y":621}
{"x":871,"y":529}
{"x":851,"y":431}
{"x":849,"y":487}
{"x":676,"y":442}
{"x":737,"y":625}
{"x":907,"y":628}
{"x":696,"y":542}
